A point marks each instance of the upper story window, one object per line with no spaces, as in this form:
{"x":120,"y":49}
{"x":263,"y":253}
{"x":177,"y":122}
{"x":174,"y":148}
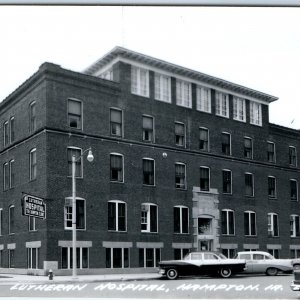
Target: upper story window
{"x":203,"y":99}
{"x":12,"y":129}
{"x":162,"y":87}
{"x":222,"y":104}
{"x":80,"y":213}
{"x":271,"y":152}
{"x":226,"y":143}
{"x":272,"y":187}
{"x":204,"y":139}
{"x":239,"y":109}
{"x":116,"y":215}
{"x":204,"y":179}
{"x":250,"y":223}
{"x":292,"y":156}
{"x":180,"y":175}
{"x":248,"y":148}
{"x":227,"y":219}
{"x":181,"y":219}
{"x":11,"y":219}
{"x":148,"y":217}
{"x":32,"y":164}
{"x":183,"y":93}
{"x":139,"y":81}
{"x":73,"y":151}
{"x":8,"y":175}
{"x":227,"y":181}
{"x":294,"y":190}
{"x":273,"y":226}
{"x":1,"y":224}
{"x":75,"y":113}
{"x":179,"y":134}
{"x":116,"y":167}
{"x":249,"y":185}
{"x":5,"y":133}
{"x":255,"y":113}
{"x":32,"y":116}
{"x":5,"y":176}
{"x":108,"y":75}
{"x":294,"y":226}
{"x":148,"y":129}
{"x":116,"y":122}
{"x":11,"y":173}
{"x":148,"y":171}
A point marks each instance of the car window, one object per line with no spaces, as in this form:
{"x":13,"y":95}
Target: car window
{"x":210,"y":256}
{"x":258,"y":256}
{"x":245,"y":256}
{"x":196,"y":256}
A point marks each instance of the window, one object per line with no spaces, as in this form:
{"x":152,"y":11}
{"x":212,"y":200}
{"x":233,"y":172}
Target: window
{"x":294,"y":226}
{"x":226,"y":143}
{"x":204,"y":139}
{"x":148,"y":217}
{"x":180,"y":134}
{"x":117,"y":258}
{"x":271,"y":152}
{"x":180,"y":176}
{"x":272,"y":187}
{"x":116,"y":215}
{"x":72,"y":151}
{"x":248,"y":148}
{"x":273,"y":226}
{"x":204,"y":179}
{"x":180,"y":253}
{"x":75,"y":113}
{"x":148,"y":171}
{"x":1,"y":259}
{"x":82,"y":256}
{"x":203,"y":99}
{"x":33,"y":164}
{"x":11,"y":219}
{"x":255,"y":113}
{"x":149,"y":257}
{"x":12,"y":129}
{"x":229,"y":252}
{"x":292,"y":156}
{"x":183,"y":93}
{"x":294,"y":189}
{"x":204,"y":226}
{"x":294,"y":253}
{"x":162,"y":87}
{"x":116,"y":167}
{"x":222,"y":105}
{"x":5,"y":134}
{"x":139,"y":81}
{"x":80,"y":213}
{"x":274,"y":252}
{"x":249,"y":184}
{"x":5,"y":176}
{"x":250,"y":223}
{"x":31,"y":223}
{"x":32,"y":258}
{"x":148,"y":129}
{"x":11,"y":174}
{"x":1,"y":221}
{"x":227,"y":219}
{"x":108,"y":75}
{"x":239,"y":109}
{"x":227,"y":182}
{"x":116,"y":122}
{"x":32,"y":116}
{"x":181,"y":219}
{"x":11,"y":258}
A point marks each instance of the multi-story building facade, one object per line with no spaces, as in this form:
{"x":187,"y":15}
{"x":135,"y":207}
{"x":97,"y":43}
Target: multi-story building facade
{"x":183,"y":161}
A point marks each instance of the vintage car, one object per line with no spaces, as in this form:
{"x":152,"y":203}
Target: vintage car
{"x":201,"y":263}
{"x":295,"y":285}
{"x":264,"y":262}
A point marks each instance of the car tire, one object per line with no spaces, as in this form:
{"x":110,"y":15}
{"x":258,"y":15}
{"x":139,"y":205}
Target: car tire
{"x":172,"y":274}
{"x":272,"y":271}
{"x":225,"y":272}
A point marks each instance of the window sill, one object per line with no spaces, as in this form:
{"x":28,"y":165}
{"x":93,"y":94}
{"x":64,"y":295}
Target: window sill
{"x":149,"y":185}
{"x":116,"y":231}
{"x":115,"y":181}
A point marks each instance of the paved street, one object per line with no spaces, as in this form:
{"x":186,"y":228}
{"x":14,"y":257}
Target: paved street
{"x":239,"y":287}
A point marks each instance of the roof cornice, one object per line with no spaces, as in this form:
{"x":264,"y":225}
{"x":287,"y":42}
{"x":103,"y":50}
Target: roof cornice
{"x":120,"y":52}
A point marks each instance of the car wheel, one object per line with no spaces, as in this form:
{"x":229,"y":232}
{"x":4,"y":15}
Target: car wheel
{"x":172,"y":274}
{"x":272,"y":271}
{"x":225,"y":272}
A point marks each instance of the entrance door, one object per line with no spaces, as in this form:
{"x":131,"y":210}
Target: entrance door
{"x":205,"y":245}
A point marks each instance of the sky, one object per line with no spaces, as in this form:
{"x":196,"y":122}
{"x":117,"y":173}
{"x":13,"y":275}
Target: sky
{"x":257,"y":47}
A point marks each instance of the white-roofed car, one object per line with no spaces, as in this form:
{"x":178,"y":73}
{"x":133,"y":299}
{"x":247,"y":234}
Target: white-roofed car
{"x":264,"y":262}
{"x":201,"y":263}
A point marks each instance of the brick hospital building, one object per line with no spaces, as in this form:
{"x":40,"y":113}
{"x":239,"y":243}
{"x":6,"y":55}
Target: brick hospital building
{"x":182,"y":161}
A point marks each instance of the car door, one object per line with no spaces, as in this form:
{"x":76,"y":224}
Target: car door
{"x":249,"y":262}
{"x":258,"y":263}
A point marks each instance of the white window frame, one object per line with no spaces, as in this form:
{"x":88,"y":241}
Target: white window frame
{"x":271,"y":224}
{"x":162,"y":87}
{"x":204,"y":167}
{"x":228,"y":223}
{"x":11,"y":174}
{"x":184,"y":137}
{"x":32,"y":117}
{"x":274,"y":146}
{"x":121,"y":125}
{"x":249,"y":213}
{"x":239,"y":109}
{"x":230,"y":148}
{"x":255,"y":113}
{"x":147,"y":158}
{"x":154,"y":256}
{"x":30,"y":257}
{"x":5,"y":176}
{"x":32,"y":166}
{"x":147,"y":218}
{"x":251,"y":140}
{"x":252,"y":176}
{"x":275,"y":188}
{"x":12,"y":129}
{"x":181,"y":207}
{"x":9,"y":220}
{"x":293,"y":225}
{"x":117,"y":202}
{"x":222,"y":104}
{"x":153,"y":129}
{"x":108,"y":75}
{"x":1,"y":221}
{"x":80,"y":125}
{"x":295,"y":149}
{"x":68,"y":215}
{"x":81,"y":162}
{"x":136,"y":81}
{"x":31,"y":221}
{"x":185,"y":180}
{"x":122,"y":156}
{"x":69,"y":251}
{"x":203,"y":99}
{"x":183,"y":98}
{"x":5,"y":133}
{"x":295,"y":180}
{"x":123,"y":257}
{"x":208,"y":141}
{"x":227,"y":170}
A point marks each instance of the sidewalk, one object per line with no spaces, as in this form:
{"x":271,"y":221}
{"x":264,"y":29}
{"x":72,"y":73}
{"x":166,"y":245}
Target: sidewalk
{"x":30,"y":279}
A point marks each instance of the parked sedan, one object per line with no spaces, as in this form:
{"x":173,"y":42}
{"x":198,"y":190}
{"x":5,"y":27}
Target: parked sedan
{"x":201,"y":263}
{"x":264,"y":262}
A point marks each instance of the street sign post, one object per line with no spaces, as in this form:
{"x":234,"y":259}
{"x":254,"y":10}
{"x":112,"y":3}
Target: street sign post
{"x":33,"y":206}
